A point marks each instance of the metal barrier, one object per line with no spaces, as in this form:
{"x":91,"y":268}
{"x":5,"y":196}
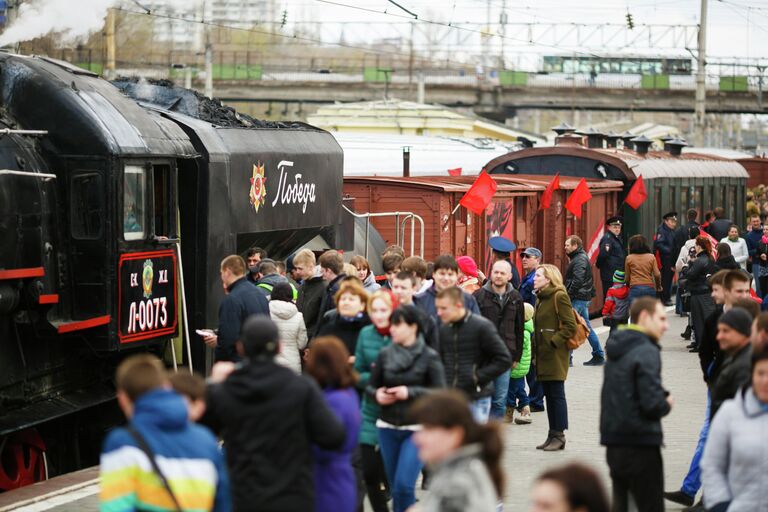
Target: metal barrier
{"x":399,"y":226}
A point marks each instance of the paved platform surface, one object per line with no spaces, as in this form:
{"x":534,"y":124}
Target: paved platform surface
{"x":522,"y":462}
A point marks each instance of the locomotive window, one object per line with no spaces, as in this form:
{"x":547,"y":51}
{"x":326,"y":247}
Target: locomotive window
{"x":134,"y":202}
{"x":161,"y":211}
{"x":86,"y":206}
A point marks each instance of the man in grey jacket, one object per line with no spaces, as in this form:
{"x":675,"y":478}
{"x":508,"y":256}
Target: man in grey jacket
{"x":581,"y":289}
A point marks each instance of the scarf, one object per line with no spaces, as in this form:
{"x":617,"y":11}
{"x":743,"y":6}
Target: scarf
{"x":401,"y":358}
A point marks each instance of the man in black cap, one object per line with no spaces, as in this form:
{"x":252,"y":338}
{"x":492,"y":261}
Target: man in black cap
{"x":612,"y":253}
{"x":734,"y":328}
{"x":269,"y":418}
{"x":664,"y":245}
{"x":501,"y":247}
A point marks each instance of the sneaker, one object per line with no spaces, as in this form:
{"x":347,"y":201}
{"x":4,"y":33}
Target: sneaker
{"x":525,"y":417}
{"x":679,"y":497}
{"x":595,"y":361}
{"x":509,"y":415}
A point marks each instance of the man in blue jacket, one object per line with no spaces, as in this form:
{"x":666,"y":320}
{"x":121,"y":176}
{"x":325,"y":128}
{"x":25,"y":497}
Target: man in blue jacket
{"x":243,"y":299}
{"x":753,"y":238}
{"x":664,"y":244}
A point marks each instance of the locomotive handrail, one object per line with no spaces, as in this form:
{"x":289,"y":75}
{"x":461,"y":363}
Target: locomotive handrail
{"x":36,"y":133}
{"x":42,"y":175}
{"x":408,"y":215}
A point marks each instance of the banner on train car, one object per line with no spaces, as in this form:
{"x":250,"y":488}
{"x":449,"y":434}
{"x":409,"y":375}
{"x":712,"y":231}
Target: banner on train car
{"x":147,"y":291}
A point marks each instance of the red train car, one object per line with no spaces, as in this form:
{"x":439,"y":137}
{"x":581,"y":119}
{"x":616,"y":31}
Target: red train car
{"x":513,"y":213}
{"x":757,"y":168}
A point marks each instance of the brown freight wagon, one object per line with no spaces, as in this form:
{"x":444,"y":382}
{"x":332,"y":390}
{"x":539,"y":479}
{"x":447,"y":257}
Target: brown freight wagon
{"x":757,"y":168}
{"x":513,"y":213}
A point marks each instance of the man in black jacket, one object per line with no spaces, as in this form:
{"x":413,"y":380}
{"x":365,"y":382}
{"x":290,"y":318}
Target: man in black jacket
{"x":332,"y":269}
{"x":719,"y":227}
{"x":612,"y":253}
{"x":734,"y":329}
{"x":312,"y":288}
{"x":503,"y":306}
{"x":664,"y":244}
{"x":269,"y":418}
{"x":581,"y":288}
{"x":242,"y":300}
{"x":471,"y":350}
{"x":632,"y":404}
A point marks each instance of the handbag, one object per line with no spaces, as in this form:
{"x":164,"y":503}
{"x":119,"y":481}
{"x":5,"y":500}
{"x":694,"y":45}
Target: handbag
{"x":582,"y":329}
{"x":144,"y":447}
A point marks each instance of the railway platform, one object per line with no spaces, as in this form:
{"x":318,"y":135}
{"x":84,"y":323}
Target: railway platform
{"x":522,"y":462}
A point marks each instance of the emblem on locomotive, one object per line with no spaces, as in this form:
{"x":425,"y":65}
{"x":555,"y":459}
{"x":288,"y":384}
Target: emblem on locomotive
{"x":258,"y":192}
{"x":147,"y":276}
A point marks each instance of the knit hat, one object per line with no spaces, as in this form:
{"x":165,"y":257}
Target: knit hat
{"x":467,"y":265}
{"x":618,"y":276}
{"x":737,"y":319}
{"x":529,"y":311}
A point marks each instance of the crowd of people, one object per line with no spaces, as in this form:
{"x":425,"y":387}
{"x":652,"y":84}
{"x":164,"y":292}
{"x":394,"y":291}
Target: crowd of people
{"x":331,"y":386}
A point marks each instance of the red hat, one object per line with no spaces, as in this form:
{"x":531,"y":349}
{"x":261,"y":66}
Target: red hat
{"x":467,"y":265}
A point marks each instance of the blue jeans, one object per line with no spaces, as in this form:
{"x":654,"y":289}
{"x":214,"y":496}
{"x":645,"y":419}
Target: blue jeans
{"x":582,"y":308}
{"x":557,"y":407}
{"x":692,"y":481}
{"x":500,"y":390}
{"x":517,"y":398}
{"x":535,"y":391}
{"x":402,"y":464}
{"x":640,"y":290}
{"x":481,"y":409}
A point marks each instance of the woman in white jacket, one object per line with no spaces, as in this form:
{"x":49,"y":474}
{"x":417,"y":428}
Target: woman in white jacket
{"x":290,"y":323}
{"x":739,"y":248}
{"x":734,"y":467}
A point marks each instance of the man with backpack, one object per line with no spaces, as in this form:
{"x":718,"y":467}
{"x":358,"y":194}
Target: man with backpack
{"x":581,"y":289}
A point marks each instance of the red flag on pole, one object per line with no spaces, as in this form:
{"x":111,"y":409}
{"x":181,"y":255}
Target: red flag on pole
{"x":455,"y":172}
{"x":637,"y":194}
{"x":479,"y":194}
{"x":546,"y":196}
{"x":594,"y":243}
{"x":577,"y":198}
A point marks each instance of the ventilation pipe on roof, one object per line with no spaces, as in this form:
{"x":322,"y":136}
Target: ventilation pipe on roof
{"x":612,"y":139}
{"x":626,"y":139}
{"x":594,"y":138}
{"x":675,"y":146}
{"x":642,"y":144}
{"x":563,"y":128}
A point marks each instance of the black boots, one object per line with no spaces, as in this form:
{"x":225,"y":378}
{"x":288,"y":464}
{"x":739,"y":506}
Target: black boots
{"x":555,"y":442}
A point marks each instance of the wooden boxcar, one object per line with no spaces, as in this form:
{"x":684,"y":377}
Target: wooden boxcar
{"x":757,"y":168}
{"x":513,"y":213}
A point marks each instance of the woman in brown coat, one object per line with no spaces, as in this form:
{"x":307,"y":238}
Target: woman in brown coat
{"x":554,"y":324}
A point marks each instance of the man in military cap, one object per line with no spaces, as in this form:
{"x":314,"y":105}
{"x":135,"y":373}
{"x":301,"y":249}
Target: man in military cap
{"x":612,"y":253}
{"x":501,"y":248}
{"x":664,"y":245}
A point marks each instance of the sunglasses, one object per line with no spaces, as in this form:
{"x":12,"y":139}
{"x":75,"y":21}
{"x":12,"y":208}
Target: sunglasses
{"x":524,"y":256}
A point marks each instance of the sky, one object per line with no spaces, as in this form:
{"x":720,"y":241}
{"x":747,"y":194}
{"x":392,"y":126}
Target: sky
{"x":737,"y":29}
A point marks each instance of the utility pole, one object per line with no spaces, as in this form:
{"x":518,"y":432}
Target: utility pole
{"x":701,"y":77}
{"x":502,"y":32}
{"x":111,"y":66}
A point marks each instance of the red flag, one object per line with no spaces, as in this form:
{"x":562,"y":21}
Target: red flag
{"x":594,"y":243}
{"x":711,"y":241}
{"x":455,"y":172}
{"x":637,"y":194}
{"x":479,"y":194}
{"x":577,"y":198}
{"x":754,"y":297}
{"x":546,"y":196}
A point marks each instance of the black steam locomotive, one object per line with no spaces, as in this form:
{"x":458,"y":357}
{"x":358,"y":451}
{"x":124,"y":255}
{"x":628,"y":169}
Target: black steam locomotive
{"x":117,"y":203}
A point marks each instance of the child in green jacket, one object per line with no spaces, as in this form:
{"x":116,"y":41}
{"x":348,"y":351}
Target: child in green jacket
{"x":517,"y":397}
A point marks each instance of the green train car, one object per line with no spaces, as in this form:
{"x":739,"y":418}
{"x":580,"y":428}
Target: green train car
{"x":673,"y":180}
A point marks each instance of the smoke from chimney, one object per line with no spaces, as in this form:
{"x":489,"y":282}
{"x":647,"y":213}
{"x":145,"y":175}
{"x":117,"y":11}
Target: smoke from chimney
{"x":71,"y":19}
